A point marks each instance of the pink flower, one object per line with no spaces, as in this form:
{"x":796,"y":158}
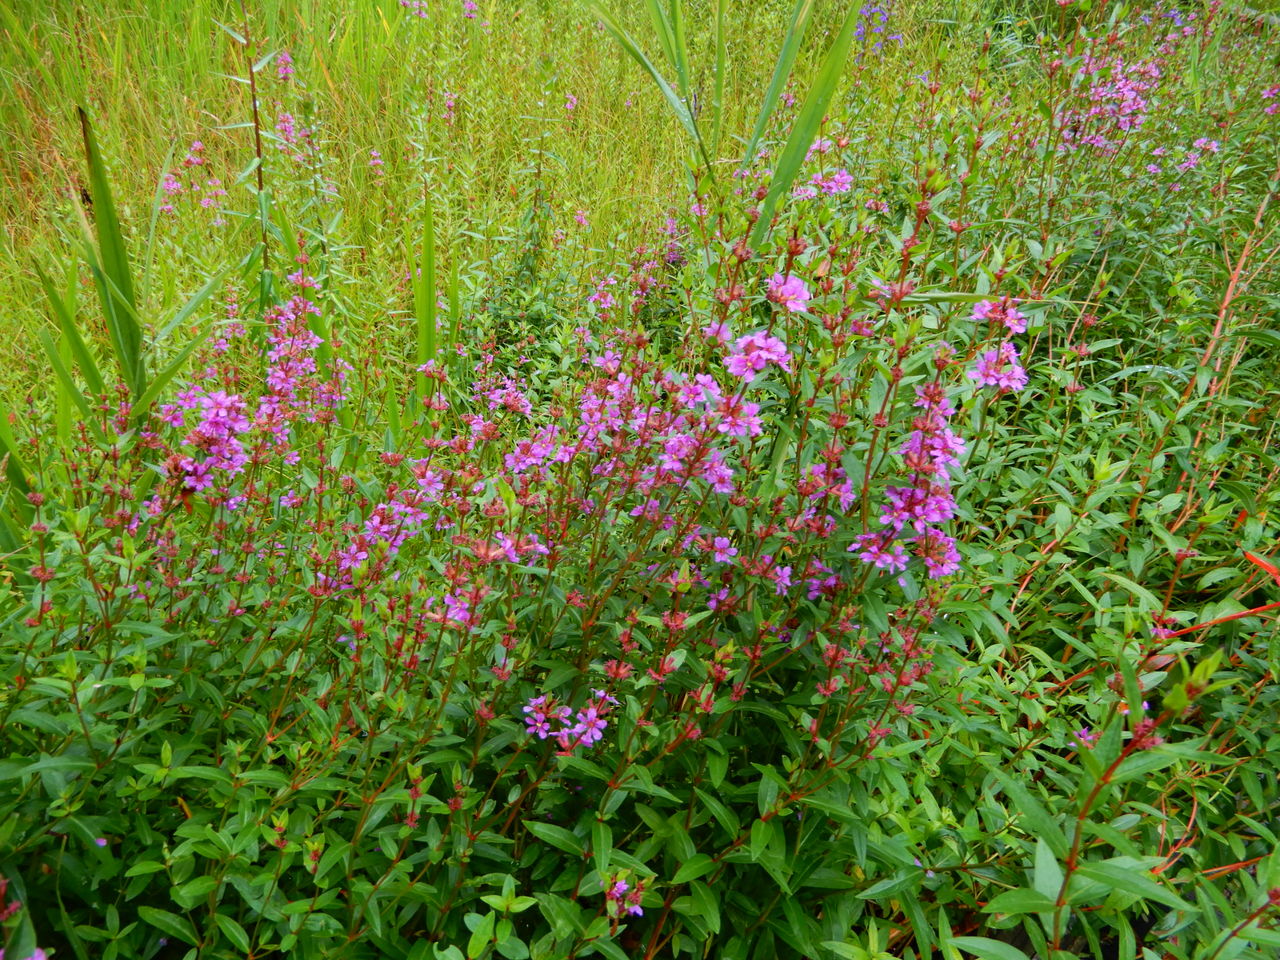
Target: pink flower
{"x":1004,"y":311}
{"x":789,"y":292}
{"x":754,"y":352}
{"x":717,"y":330}
{"x":724,"y":550}
{"x":1000,"y":369}
{"x":839,"y":182}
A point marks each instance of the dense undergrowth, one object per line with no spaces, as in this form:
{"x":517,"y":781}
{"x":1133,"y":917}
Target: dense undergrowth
{"x":861,"y":547}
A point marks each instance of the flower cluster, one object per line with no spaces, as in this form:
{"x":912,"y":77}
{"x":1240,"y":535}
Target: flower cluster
{"x":789,"y":292}
{"x":914,"y":514}
{"x":622,"y":899}
{"x":1002,"y":311}
{"x":1000,"y":368}
{"x":544,"y":719}
{"x":752,"y":353}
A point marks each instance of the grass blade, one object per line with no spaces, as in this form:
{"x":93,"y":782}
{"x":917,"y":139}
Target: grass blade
{"x":161,"y":379}
{"x":662,"y":28}
{"x":807,"y":123}
{"x":156,"y":202}
{"x":721,"y":68}
{"x":69,"y":389}
{"x":192,"y":305}
{"x":71,"y":335}
{"x":14,"y":467}
{"x":781,"y":71}
{"x":632,"y":49}
{"x":111,"y":264}
{"x":455,"y":309}
{"x":680,"y":46}
{"x":424,"y":296}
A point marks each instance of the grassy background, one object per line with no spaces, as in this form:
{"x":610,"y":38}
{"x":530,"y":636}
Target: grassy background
{"x":369,"y":76}
{"x":156,"y":76}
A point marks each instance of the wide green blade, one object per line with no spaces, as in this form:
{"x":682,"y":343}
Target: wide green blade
{"x":69,"y":389}
{"x":718,"y":80}
{"x":112,"y":266}
{"x":71,"y":334}
{"x":781,"y":71}
{"x":807,"y":124}
{"x":632,"y":49}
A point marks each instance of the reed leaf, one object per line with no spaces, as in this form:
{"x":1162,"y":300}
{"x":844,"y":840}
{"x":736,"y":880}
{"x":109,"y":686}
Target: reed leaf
{"x":807,"y":123}
{"x":678,"y":106}
{"x":65,"y":317}
{"x":109,"y":261}
{"x":15,"y":467}
{"x":718,"y":79}
{"x":680,"y":46}
{"x":424,"y":296}
{"x":69,"y":392}
{"x":781,"y":71}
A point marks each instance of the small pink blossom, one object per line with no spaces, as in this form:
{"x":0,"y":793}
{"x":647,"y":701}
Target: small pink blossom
{"x":754,"y":352}
{"x":789,"y":292}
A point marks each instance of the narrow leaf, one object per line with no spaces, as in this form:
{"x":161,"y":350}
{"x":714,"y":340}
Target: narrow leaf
{"x":988,"y":949}
{"x":781,"y":71}
{"x":1127,"y":879}
{"x":807,"y":123}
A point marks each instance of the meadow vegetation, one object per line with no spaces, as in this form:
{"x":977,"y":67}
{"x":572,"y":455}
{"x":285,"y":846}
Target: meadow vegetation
{"x":667,"y":479}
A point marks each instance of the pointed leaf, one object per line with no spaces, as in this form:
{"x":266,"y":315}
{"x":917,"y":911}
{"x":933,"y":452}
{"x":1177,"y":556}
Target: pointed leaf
{"x":988,"y":949}
{"x":781,"y":71}
{"x":807,"y":122}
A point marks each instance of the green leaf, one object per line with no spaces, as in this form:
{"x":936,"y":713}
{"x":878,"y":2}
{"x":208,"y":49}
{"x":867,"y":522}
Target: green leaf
{"x":71,"y":333}
{"x":632,"y":49}
{"x":720,"y":70}
{"x":1020,"y":901}
{"x":143,"y":867}
{"x":193,"y":891}
{"x":1033,"y":812}
{"x":707,"y":903}
{"x":558,"y":837}
{"x":988,"y":949}
{"x":1047,"y":878}
{"x":192,"y":305}
{"x":110,"y":266}
{"x":781,"y":71}
{"x":724,"y":816}
{"x":807,"y":123}
{"x":424,"y":296}
{"x":170,"y":923}
{"x":232,"y":930}
{"x":1128,"y":879}
{"x":69,"y":388}
{"x":15,"y":468}
{"x":161,"y":380}
{"x":481,"y":935}
{"x":601,"y":845}
{"x":696,"y":866}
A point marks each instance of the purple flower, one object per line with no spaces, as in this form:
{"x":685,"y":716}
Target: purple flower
{"x":879,"y":549}
{"x":1000,"y":369}
{"x":754,"y":352}
{"x":789,"y":292}
{"x":1004,"y":311}
{"x":724,"y":550}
